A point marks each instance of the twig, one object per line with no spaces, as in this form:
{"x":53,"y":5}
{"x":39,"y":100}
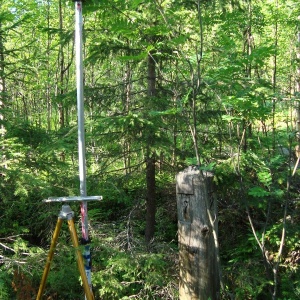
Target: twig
{"x":8,"y":248}
{"x":296,"y":166}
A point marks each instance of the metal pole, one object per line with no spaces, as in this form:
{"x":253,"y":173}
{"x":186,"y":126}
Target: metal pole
{"x":81,"y":136}
{"x":80,"y":106}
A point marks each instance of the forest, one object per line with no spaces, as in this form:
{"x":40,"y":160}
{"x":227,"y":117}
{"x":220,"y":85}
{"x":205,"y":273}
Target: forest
{"x":167,"y":84}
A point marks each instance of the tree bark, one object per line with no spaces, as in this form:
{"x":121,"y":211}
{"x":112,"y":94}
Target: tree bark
{"x":297,"y":88}
{"x":127,"y":100}
{"x":150,"y":158}
{"x":48,"y":97}
{"x":2,"y":93}
{"x":150,"y":199}
{"x":2,"y":79}
{"x":61,"y":70}
{"x":274,"y":81}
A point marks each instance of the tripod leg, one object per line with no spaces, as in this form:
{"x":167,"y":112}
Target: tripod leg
{"x":88,"y":293}
{"x":49,"y":258}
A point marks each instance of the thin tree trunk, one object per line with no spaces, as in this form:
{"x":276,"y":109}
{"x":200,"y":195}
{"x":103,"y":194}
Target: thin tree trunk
{"x":2,"y":91}
{"x":297,"y":88}
{"x":248,"y":46}
{"x":127,"y":99}
{"x":61,"y":69}
{"x":196,"y":83}
{"x":150,"y":159}
{"x":274,"y":78}
{"x":2,"y":79}
{"x":48,"y":98}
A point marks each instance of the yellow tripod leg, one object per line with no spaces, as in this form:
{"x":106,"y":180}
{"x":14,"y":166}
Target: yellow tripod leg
{"x":49,"y":258}
{"x":88,"y":293}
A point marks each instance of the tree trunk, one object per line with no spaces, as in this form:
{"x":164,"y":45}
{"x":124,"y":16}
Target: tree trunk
{"x":150,"y":199}
{"x":274,"y":81}
{"x":297,"y":88}
{"x":150,"y":159}
{"x":2,"y":93}
{"x":127,"y":100}
{"x":200,"y":275}
{"x":61,"y":112}
{"x":48,"y":97}
{"x":2,"y":79}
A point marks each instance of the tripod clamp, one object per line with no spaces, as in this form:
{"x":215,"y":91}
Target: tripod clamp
{"x":66,"y":213}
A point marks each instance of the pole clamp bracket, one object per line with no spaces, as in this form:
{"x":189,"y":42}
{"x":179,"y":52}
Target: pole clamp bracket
{"x":66,"y":213}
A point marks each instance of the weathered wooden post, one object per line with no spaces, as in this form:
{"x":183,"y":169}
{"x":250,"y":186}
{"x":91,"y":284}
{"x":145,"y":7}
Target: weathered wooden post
{"x":197,"y":236}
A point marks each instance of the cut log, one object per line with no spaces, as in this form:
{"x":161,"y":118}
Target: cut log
{"x":197,"y":236}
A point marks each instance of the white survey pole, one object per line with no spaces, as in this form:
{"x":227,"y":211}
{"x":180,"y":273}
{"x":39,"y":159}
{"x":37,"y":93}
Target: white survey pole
{"x":80,"y":106}
{"x":81,"y":135}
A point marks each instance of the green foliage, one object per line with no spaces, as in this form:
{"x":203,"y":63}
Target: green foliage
{"x":257,"y":186}
{"x":4,"y":285}
{"x":64,"y":276}
{"x":125,"y":274}
{"x":225,"y":73}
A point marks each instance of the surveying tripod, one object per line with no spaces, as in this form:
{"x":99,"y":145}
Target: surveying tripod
{"x":67,"y":214}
